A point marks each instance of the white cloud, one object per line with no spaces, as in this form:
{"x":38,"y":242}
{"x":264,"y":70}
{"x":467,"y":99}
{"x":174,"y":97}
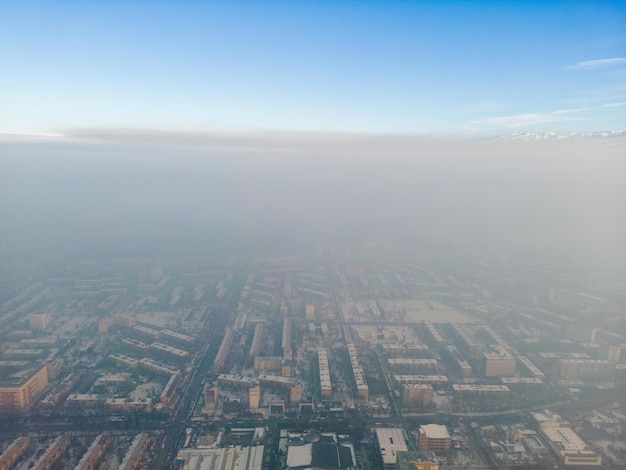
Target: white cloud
{"x":568,"y":111}
{"x":598,"y":63}
{"x":30,"y":136}
{"x":614,"y":105}
{"x":514,"y":121}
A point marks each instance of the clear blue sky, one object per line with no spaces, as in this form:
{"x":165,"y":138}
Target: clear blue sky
{"x":363,"y":66}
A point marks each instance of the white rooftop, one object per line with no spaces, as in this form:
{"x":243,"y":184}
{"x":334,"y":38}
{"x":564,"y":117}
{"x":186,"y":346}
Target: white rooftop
{"x":435,"y":431}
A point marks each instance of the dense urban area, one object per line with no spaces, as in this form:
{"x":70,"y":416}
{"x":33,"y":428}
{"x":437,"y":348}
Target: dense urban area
{"x":344,"y":359}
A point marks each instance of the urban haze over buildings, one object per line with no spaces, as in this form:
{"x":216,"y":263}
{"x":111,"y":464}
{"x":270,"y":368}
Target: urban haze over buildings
{"x":347,"y":235}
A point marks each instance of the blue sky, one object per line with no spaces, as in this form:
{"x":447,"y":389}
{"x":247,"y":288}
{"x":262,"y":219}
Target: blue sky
{"x":340,"y":66}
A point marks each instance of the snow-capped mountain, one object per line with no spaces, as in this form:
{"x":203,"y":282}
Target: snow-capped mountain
{"x":560,"y":135}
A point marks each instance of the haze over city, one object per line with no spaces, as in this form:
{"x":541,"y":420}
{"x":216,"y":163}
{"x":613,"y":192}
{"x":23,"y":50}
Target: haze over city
{"x":293,"y":235}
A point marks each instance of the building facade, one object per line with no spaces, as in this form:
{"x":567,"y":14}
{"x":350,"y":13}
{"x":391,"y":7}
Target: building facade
{"x":434,"y":437}
{"x":20,"y":393}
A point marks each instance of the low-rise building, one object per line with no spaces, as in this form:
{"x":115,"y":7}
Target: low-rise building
{"x":94,"y":454}
{"x":133,"y":458}
{"x":52,"y":454}
{"x":359,"y":376}
{"x":324,"y":373}
{"x":434,"y":437}
{"x":128,"y":404}
{"x":226,"y":458}
{"x":389,"y":442}
{"x":416,"y":460}
{"x":586,"y":369}
{"x":210,"y":396}
{"x":14,"y":452}
{"x":417,"y":395}
{"x":569,"y":448}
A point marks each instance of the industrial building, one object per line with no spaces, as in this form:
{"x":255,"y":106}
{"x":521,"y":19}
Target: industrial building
{"x":569,"y":448}
{"x":230,"y":458}
{"x":316,"y":450}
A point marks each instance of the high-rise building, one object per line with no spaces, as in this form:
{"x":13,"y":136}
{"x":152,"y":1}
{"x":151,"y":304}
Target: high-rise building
{"x":20,"y":393}
{"x":39,"y":321}
{"x":614,"y":353}
{"x":499,"y":362}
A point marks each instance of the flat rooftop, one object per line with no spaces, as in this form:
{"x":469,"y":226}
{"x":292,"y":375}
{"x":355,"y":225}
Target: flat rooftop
{"x":390,"y":442}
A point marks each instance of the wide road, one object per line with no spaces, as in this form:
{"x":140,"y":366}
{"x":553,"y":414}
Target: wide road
{"x":213,"y":333}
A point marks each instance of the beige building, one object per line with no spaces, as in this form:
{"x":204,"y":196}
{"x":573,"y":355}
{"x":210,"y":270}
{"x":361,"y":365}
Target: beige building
{"x":415,"y":460}
{"x":19,"y":392}
{"x":310,"y":312}
{"x":265,"y":364}
{"x":586,"y":369}
{"x":434,"y":437}
{"x":94,"y":454}
{"x":53,"y":453}
{"x":14,"y":452}
{"x":254,"y":398}
{"x":499,"y":362}
{"x":210,"y":397}
{"x":133,"y":459}
{"x":417,"y":395}
{"x":39,"y":321}
{"x":324,"y":372}
{"x":295,"y":395}
{"x":614,"y":353}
